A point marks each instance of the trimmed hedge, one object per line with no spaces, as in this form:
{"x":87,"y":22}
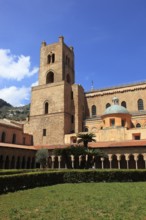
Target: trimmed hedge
{"x":11,"y":183}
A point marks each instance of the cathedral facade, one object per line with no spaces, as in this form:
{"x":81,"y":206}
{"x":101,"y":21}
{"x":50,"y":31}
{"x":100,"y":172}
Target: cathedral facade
{"x":60,"y":109}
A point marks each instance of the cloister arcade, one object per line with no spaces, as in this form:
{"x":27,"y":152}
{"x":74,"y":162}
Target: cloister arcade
{"x":112,"y":161}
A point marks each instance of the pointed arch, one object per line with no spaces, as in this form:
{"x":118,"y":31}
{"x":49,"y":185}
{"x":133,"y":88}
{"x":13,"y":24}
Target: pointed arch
{"x":93,"y":110}
{"x":46,"y":108}
{"x":50,"y":77}
{"x":140,"y":104}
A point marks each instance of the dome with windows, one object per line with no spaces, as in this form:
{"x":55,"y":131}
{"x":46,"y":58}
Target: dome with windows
{"x":116,"y":108}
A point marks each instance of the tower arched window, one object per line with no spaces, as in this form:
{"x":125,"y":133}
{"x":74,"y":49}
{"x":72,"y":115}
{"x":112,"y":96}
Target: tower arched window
{"x":49,"y":59}
{"x":140,"y":104}
{"x":108,"y":105}
{"x":93,"y":110}
{"x":53,"y":58}
{"x":3,"y":137}
{"x":50,"y":77}
{"x":124,"y":104}
{"x":46,"y":108}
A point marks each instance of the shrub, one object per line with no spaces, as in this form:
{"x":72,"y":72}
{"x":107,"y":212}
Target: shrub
{"x":11,"y":183}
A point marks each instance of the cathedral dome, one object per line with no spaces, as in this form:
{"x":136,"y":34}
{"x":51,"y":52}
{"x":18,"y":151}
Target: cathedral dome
{"x":116,"y":108}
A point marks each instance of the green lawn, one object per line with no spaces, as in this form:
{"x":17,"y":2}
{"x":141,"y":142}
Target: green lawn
{"x":84,"y":201}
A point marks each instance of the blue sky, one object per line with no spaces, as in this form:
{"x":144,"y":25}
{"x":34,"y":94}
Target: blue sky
{"x":108,"y":36}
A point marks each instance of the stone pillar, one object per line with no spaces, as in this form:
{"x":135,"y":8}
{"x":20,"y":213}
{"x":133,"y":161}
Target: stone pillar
{"x":53,"y":160}
{"x":136,"y":159}
{"x":127,"y":160}
{"x":80,"y":159}
{"x":93,"y":158}
{"x":59,"y":162}
{"x":72,"y":161}
{"x":118,"y":159}
{"x":102,"y":164}
{"x":110,"y":160}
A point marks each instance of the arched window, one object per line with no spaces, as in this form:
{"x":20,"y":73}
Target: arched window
{"x":53,"y":58}
{"x":68,"y":78}
{"x":49,"y":59}
{"x":138,"y":125}
{"x":93,"y":110}
{"x":50,"y":77}
{"x":46,"y":108}
{"x":124,"y":104}
{"x":140,"y":104}
{"x":14,"y":139}
{"x":3,"y":137}
{"x":108,"y":105}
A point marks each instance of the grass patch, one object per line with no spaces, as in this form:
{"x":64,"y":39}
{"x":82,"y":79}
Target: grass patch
{"x":84,"y":201}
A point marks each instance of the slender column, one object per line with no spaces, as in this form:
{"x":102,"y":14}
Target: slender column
{"x":93,"y":159}
{"x":80,"y":159}
{"x":110,"y":160}
{"x":136,"y":159}
{"x":102,"y":164}
{"x":86,"y":158}
{"x":59,"y":162}
{"x":53,"y":160}
{"x":72,"y":161}
{"x":127,"y":160}
{"x":118,"y":159}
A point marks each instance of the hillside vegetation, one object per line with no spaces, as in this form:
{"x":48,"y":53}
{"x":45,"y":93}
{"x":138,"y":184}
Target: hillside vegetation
{"x":13,"y":113}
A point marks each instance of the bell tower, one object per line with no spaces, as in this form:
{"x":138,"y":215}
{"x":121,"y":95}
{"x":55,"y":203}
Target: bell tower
{"x":56,"y":63}
{"x":56,"y":103}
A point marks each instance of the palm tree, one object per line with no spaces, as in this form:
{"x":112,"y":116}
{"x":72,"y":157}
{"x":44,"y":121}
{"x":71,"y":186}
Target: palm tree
{"x":86,"y":138}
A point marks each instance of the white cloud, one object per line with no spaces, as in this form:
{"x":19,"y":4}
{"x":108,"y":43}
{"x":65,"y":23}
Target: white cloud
{"x":35,"y":84}
{"x":15,"y":96}
{"x":15,"y":67}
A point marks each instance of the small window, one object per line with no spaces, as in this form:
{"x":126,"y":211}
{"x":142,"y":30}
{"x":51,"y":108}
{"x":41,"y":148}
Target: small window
{"x":123,"y":123}
{"x":140,"y":104}
{"x":138,"y":125}
{"x":124,"y":104}
{"x":93,"y":110}
{"x":46,"y":108}
{"x":49,"y":59}
{"x":53,"y":58}
{"x":136,"y":136}
{"x":14,"y":139}
{"x":86,"y":129}
{"x":108,"y":105}
{"x":3,"y":137}
{"x":50,"y":78}
{"x":44,"y":132}
{"x":112,"y":122}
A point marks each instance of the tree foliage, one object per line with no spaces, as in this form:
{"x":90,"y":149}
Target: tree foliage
{"x":86,"y":138}
{"x":42,"y":157}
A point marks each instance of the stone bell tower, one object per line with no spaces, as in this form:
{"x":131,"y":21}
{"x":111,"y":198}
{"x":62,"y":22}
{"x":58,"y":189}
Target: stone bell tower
{"x":56,"y":106}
